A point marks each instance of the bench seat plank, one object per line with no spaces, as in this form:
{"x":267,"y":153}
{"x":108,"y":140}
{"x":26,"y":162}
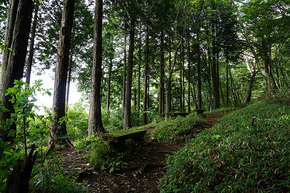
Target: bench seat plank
{"x":123,"y":135}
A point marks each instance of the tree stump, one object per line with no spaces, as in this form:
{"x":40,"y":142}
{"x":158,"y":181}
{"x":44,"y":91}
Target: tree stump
{"x":18,"y":180}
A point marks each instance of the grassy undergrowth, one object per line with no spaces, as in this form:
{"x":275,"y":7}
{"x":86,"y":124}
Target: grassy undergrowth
{"x":178,"y":130}
{"x":236,"y":155}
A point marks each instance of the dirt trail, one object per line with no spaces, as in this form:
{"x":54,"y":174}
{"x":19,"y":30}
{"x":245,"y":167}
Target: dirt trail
{"x":142,"y":174}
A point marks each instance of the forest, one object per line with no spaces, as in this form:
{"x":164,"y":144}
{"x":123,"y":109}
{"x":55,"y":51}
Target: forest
{"x":177,"y":96}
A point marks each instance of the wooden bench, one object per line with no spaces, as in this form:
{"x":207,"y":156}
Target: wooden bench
{"x":117,"y":139}
{"x":199,"y":112}
{"x":174,"y":115}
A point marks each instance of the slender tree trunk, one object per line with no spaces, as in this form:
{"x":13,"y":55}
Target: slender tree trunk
{"x":209,"y":79}
{"x":199,"y":96}
{"x":31,"y":49}
{"x":127,"y":114}
{"x":109,"y":84}
{"x":58,"y":126}
{"x":269,"y":85}
{"x":215,"y":80}
{"x":95,"y":116}
{"x":162,"y":76}
{"x":69,"y":76}
{"x":10,"y":26}
{"x":189,"y":75}
{"x":145,"y":98}
{"x":139,"y":71}
{"x":227,"y":89}
{"x":234,"y":93}
{"x":17,"y":35}
{"x":252,"y":71}
{"x":182,"y":78}
{"x":124,"y":73}
{"x":168,"y":89}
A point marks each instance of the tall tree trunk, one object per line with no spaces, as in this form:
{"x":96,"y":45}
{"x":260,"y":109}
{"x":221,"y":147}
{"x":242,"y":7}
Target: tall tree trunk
{"x":252,"y":71}
{"x":139,"y":71}
{"x":124,"y":73}
{"x":109,"y":83}
{"x":266,"y":47}
{"x":269,"y":85}
{"x":69,"y":76}
{"x":10,"y":26}
{"x":209,"y":79}
{"x":199,"y":96}
{"x":168,"y":90}
{"x":58,"y":126}
{"x":162,"y":75}
{"x":189,"y":75}
{"x":227,"y":89}
{"x":182,"y":78}
{"x":145,"y":98}
{"x":95,"y":117}
{"x":215,"y":79}
{"x":127,"y":113}
{"x":17,"y":35}
{"x":31,"y":48}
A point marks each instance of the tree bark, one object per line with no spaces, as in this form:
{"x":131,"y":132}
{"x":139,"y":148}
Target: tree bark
{"x":124,"y":73}
{"x":17,"y":35}
{"x":127,"y":113}
{"x":199,"y":96}
{"x":269,"y":85}
{"x":32,"y":39}
{"x":189,"y":75}
{"x":95,"y":116}
{"x":109,"y":83}
{"x":139,"y":71}
{"x":162,"y":75}
{"x":252,"y":71}
{"x":18,"y":180}
{"x":145,"y":98}
{"x":69,"y":76}
{"x":168,"y":90}
{"x":58,"y":126}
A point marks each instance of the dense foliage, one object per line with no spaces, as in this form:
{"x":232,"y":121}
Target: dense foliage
{"x":247,"y":151}
{"x":179,"y":129}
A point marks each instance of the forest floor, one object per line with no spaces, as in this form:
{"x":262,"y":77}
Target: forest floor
{"x":142,"y":174}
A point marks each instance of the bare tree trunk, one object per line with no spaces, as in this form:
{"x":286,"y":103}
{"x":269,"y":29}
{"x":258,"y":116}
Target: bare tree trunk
{"x":127,"y":113}
{"x":227,"y":89}
{"x":182,"y":78}
{"x":124,"y":73}
{"x":189,"y":76}
{"x":168,"y":90}
{"x":139,"y":72}
{"x":269,"y":85}
{"x":18,"y":180}
{"x":145,"y":98}
{"x":69,"y":76}
{"x":17,"y":35}
{"x":209,"y":79}
{"x":199,"y":96}
{"x":95,"y":117}
{"x":58,"y":126}
{"x":252,"y":71}
{"x":31,"y":49}
{"x":109,"y":83}
{"x":162,"y":76}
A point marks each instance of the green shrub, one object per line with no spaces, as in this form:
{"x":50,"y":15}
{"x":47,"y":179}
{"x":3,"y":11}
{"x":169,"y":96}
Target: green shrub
{"x":106,"y":158}
{"x":77,"y":122}
{"x":178,"y":130}
{"x":236,"y":155}
{"x":48,"y":176}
